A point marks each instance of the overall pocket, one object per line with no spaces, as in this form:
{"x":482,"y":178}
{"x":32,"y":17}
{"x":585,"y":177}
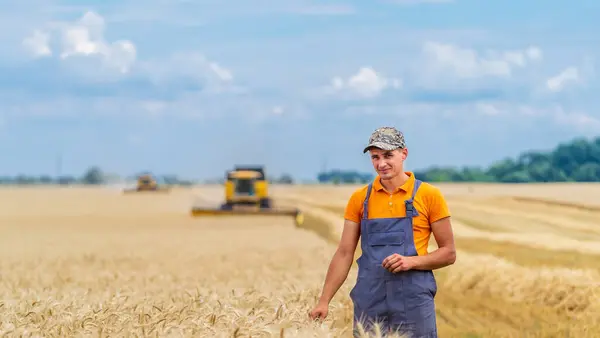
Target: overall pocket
{"x":383,"y":244}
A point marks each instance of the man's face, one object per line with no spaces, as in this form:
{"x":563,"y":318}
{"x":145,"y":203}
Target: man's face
{"x":388,"y":163}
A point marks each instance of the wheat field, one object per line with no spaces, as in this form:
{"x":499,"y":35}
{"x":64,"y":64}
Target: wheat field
{"x":83,"y":261}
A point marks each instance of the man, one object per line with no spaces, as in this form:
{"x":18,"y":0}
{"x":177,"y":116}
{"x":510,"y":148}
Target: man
{"x":394,"y":216}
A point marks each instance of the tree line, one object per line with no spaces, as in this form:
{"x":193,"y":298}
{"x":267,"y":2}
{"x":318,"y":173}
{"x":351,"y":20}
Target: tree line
{"x":92,"y":176}
{"x":574,"y":161}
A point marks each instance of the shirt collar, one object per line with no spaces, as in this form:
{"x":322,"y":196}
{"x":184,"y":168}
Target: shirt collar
{"x":407,"y":186}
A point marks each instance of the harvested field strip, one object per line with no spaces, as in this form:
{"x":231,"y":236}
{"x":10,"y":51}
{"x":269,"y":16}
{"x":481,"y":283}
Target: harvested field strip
{"x":535,"y":241}
{"x":546,"y":212}
{"x":527,"y":205}
{"x":533,"y":222}
{"x":477,"y":221}
{"x":499,"y":219}
{"x":527,"y":256}
{"x":564,"y":204}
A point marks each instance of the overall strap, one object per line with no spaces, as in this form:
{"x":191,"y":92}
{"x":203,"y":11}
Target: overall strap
{"x":410,"y":208}
{"x":366,"y":202}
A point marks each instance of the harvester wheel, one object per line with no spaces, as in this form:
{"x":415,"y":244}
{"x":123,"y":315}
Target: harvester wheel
{"x":265,"y":203}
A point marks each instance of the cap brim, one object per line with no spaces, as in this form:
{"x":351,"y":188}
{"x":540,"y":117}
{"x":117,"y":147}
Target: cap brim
{"x":380,"y":145}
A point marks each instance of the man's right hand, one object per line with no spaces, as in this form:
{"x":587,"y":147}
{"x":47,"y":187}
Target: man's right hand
{"x":338,"y":268}
{"x":320,"y":311}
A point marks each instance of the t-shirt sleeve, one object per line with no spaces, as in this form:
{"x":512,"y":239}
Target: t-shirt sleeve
{"x":437,"y":205}
{"x":353,"y":211}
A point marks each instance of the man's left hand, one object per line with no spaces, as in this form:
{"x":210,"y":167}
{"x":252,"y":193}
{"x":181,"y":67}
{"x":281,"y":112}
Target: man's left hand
{"x":396,"y":263}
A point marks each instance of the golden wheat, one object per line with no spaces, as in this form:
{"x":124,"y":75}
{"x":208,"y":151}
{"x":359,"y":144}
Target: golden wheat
{"x":89,"y":261}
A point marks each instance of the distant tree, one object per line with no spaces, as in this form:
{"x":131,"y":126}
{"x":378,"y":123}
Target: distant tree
{"x":170,"y":179}
{"x":344,"y":177}
{"x":25,"y":180}
{"x":45,"y":179}
{"x":66,"y":180}
{"x":286,"y":179}
{"x":93,"y":176}
{"x":588,"y":172}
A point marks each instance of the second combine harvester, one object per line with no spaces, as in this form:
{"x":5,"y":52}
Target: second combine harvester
{"x":247,"y":193}
{"x":147,"y":183}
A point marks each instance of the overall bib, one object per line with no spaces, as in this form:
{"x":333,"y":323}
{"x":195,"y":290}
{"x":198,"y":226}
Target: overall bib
{"x":403,"y":301}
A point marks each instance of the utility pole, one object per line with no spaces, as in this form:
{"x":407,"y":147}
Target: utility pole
{"x":59,"y":165}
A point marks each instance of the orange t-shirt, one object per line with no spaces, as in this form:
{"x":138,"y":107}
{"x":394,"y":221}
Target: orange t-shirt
{"x":429,"y":202}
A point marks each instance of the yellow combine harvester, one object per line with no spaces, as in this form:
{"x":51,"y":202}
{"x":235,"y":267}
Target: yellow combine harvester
{"x":147,"y":182}
{"x":247,"y":193}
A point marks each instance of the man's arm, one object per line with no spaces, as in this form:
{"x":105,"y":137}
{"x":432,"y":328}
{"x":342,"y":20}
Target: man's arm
{"x":445,"y":254}
{"x":341,"y":261}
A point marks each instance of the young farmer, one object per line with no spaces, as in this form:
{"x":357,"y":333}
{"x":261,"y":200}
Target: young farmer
{"x":394,"y":216}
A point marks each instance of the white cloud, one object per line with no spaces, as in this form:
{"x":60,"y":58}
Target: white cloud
{"x":85,"y":38}
{"x":465,"y":63}
{"x":577,"y":119}
{"x":556,"y":113}
{"x":366,"y":83}
{"x":223,"y":73}
{"x":38,"y":44}
{"x":568,"y":75}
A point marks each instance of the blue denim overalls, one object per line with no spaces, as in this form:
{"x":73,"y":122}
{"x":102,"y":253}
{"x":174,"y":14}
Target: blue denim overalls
{"x":403,"y":301}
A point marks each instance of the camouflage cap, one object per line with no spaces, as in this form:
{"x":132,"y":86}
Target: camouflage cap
{"x":386,"y":138}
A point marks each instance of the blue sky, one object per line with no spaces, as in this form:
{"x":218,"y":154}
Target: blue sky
{"x":195,"y":87}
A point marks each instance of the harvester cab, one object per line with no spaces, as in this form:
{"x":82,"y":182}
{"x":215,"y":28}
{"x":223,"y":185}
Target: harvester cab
{"x":146,"y":182}
{"x":246,"y":187}
{"x":247,"y":193}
